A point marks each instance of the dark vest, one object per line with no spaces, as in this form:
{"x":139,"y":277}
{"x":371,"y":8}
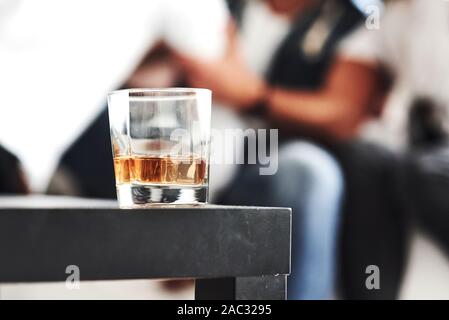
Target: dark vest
{"x":295,"y":64}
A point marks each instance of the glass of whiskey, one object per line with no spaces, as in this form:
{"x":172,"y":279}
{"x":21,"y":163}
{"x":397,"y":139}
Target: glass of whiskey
{"x":160,"y":145}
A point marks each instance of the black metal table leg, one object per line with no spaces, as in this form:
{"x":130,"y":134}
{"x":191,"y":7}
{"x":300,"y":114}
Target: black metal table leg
{"x":242,"y":288}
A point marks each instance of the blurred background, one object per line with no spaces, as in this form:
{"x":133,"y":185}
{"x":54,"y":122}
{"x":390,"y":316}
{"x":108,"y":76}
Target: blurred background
{"x":359,"y":91}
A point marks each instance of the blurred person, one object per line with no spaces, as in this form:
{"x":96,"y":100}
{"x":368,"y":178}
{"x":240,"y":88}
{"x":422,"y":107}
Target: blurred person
{"x":283,"y":47}
{"x":411,"y":47}
{"x":384,"y":187}
{"x":59,"y":60}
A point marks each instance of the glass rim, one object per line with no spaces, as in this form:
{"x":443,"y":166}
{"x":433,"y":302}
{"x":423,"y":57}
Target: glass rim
{"x":165,"y":92}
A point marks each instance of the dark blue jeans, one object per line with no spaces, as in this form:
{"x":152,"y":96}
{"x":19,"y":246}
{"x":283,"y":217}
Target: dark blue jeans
{"x":309,"y":181}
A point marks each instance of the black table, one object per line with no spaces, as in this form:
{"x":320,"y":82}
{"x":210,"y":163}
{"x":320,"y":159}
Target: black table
{"x":232,"y":252}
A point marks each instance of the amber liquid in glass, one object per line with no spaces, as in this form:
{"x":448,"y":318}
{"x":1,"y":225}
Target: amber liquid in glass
{"x":177,"y":170}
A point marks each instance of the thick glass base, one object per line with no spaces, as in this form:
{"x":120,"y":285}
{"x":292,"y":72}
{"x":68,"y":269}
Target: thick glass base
{"x":144,"y":195}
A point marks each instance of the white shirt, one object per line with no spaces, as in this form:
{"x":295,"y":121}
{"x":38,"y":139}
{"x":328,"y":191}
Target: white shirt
{"x":58,"y":60}
{"x":262,"y":33}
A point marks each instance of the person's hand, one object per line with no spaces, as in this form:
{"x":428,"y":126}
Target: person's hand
{"x":229,"y":78}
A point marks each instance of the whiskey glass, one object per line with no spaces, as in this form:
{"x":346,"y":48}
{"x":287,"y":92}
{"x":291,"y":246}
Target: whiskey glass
{"x":160,"y":145}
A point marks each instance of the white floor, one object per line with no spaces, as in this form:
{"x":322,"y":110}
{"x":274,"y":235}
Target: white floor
{"x":428,"y":274}
{"x":91,"y":290}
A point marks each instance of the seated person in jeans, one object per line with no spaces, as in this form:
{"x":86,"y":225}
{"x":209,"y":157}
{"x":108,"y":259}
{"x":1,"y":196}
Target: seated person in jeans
{"x":408,"y":168}
{"x":383,"y":188}
{"x":286,"y":46}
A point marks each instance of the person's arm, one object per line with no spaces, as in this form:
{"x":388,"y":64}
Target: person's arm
{"x":351,"y":90}
{"x":353,"y":86}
